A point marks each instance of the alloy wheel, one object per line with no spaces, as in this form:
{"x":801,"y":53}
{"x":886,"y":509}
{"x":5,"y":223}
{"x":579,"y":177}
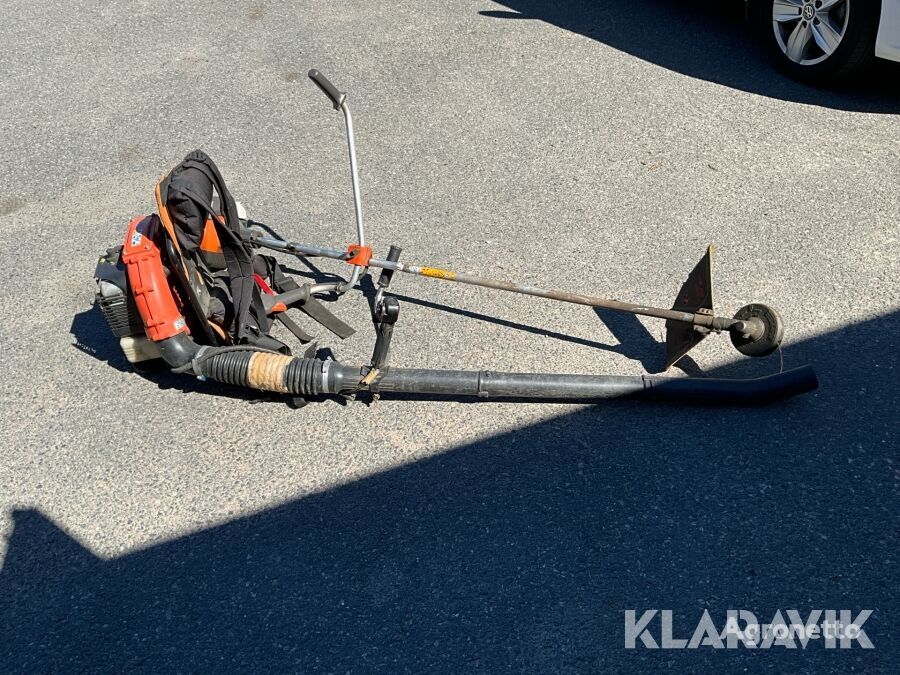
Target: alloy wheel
{"x":809,"y":31}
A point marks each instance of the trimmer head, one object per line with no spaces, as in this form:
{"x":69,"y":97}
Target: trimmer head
{"x":764,"y":330}
{"x":695,"y":297}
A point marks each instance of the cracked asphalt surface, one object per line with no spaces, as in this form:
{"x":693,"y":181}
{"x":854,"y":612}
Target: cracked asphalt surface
{"x":155,"y":523}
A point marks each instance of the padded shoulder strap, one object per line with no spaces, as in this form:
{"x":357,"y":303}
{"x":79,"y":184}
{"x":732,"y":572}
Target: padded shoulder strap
{"x":237,"y":253}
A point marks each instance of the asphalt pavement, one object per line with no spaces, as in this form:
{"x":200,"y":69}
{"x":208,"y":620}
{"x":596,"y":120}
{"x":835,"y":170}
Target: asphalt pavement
{"x":156,"y":523}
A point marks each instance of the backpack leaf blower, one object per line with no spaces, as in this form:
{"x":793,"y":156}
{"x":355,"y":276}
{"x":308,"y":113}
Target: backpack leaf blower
{"x":191,"y":288}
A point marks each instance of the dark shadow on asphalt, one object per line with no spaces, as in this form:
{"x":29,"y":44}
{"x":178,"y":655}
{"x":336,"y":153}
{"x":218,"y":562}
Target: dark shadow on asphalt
{"x":92,"y":336}
{"x":506,"y":323}
{"x":517,"y":552}
{"x":635,"y":341}
{"x":707,"y":39}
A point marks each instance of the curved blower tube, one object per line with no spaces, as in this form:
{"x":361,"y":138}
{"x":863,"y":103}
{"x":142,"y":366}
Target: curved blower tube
{"x":246,"y":366}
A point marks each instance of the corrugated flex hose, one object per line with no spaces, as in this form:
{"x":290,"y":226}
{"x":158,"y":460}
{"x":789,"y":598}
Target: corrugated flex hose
{"x":260,"y":369}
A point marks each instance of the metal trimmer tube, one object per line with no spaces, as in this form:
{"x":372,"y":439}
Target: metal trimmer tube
{"x":716,"y":323}
{"x":707,"y":321}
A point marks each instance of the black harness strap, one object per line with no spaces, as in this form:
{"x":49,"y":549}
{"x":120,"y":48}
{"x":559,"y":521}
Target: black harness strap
{"x":312,"y":307}
{"x":250,"y":323}
{"x":319,"y":312}
{"x":292,"y":326}
{"x":237,"y":253}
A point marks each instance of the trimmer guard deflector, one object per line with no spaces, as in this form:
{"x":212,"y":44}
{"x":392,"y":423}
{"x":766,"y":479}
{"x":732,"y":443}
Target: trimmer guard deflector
{"x":695,"y":296}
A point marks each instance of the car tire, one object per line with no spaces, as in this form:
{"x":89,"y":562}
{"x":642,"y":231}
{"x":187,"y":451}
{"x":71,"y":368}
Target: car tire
{"x":828,"y":41}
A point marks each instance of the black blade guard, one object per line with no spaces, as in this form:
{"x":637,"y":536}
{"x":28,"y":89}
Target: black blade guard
{"x":694,"y":297}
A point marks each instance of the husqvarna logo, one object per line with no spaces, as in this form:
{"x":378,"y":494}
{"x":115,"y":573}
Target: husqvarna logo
{"x":835,"y":629}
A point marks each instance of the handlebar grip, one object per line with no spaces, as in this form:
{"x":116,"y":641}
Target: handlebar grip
{"x":337,"y":97}
{"x":393,"y":256}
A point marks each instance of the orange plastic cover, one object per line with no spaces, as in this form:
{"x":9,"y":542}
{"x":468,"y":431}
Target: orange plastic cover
{"x":147,"y":281}
{"x":359,"y":255}
{"x":210,"y":241}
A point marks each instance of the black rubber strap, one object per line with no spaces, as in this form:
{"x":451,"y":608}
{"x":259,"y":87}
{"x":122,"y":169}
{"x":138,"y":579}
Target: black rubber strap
{"x":317,"y":311}
{"x":292,"y":326}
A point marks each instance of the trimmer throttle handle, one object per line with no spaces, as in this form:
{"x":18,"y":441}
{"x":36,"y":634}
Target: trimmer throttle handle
{"x":337,"y":97}
{"x":386,"y":275}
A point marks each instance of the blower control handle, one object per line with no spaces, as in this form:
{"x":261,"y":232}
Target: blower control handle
{"x":337,"y":97}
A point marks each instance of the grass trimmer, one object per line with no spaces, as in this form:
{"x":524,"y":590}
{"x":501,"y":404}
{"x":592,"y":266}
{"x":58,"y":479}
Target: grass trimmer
{"x":192,"y":289}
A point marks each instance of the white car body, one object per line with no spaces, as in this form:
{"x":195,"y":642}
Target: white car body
{"x":887,"y":42}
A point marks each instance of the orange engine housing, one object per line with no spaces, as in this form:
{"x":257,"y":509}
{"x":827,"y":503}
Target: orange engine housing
{"x":147,"y":280}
